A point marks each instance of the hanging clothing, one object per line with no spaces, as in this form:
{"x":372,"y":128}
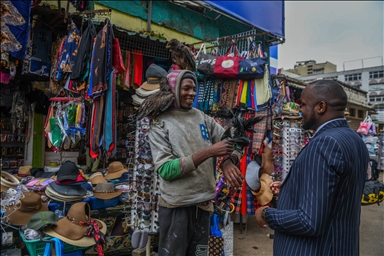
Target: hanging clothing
{"x":101,"y":61}
{"x":138,"y":68}
{"x":69,"y":53}
{"x":15,"y":26}
{"x":40,"y":62}
{"x":81,"y":65}
{"x":110,"y":117}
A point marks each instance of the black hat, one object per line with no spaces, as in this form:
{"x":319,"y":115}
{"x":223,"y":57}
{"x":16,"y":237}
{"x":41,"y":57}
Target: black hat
{"x":68,"y":171}
{"x":189,"y":75}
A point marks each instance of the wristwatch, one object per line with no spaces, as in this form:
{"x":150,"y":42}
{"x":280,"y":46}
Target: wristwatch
{"x":263,"y":212}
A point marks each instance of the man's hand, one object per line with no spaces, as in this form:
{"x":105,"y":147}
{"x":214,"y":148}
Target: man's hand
{"x":262,"y":223}
{"x":275,"y":187}
{"x":221,"y":148}
{"x":232,"y":174}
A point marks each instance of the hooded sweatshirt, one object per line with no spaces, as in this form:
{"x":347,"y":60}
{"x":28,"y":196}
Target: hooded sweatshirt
{"x":175,"y":136}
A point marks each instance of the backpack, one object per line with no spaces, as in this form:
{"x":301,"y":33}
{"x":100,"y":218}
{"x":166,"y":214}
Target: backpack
{"x":373,"y":192}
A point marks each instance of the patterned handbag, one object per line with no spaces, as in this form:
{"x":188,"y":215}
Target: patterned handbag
{"x":216,"y":240}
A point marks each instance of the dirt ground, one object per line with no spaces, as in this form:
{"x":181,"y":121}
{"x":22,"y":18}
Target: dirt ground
{"x":254,"y":240}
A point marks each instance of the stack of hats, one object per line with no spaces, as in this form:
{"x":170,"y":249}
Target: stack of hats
{"x":102,"y":188}
{"x":30,"y":204}
{"x":68,"y":186}
{"x":8,"y":181}
{"x":152,"y":85}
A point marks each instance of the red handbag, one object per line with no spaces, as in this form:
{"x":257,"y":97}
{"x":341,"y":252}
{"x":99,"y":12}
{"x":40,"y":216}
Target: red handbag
{"x":226,"y":66}
{"x":117,"y":58}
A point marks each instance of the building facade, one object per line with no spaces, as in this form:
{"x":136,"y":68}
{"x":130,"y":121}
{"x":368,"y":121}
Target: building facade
{"x":310,"y":67}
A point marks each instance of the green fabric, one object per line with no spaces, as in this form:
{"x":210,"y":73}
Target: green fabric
{"x":170,"y":170}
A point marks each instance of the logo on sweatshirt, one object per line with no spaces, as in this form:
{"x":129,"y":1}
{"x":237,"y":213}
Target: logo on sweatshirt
{"x":204,"y":132}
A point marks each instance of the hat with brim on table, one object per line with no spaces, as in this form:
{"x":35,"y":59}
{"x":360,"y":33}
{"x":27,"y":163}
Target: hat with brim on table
{"x":106,"y":191}
{"x":144,"y":93}
{"x":68,"y":190}
{"x":72,"y":228}
{"x":115,"y":170}
{"x":252,"y":175}
{"x":24,"y":171}
{"x":8,"y":181}
{"x":137,"y":100}
{"x":51,"y":193}
{"x":30,"y":205}
{"x":42,"y":219}
{"x":264,"y":195}
{"x":97,"y":178}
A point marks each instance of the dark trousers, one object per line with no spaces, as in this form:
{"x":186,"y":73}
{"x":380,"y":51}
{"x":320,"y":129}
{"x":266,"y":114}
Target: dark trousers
{"x":183,"y":231}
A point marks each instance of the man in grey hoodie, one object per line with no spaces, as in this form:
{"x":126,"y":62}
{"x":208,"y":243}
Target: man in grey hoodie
{"x":184,"y":142}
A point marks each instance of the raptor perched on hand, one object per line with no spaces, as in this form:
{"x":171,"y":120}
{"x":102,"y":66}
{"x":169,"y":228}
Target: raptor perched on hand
{"x":237,"y":133}
{"x":156,"y":103}
{"x":181,"y":55}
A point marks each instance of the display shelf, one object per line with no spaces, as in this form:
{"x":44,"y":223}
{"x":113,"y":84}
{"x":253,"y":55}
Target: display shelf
{"x":15,"y":156}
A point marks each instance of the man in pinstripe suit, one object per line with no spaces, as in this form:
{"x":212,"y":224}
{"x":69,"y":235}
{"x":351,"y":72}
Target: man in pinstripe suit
{"x":318,"y":211}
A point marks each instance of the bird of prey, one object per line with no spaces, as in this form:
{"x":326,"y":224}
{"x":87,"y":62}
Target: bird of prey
{"x":237,"y":133}
{"x":156,"y":103}
{"x":181,"y":55}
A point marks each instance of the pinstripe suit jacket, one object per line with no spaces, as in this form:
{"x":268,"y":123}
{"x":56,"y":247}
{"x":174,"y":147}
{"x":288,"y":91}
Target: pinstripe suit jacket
{"x":318,"y":211}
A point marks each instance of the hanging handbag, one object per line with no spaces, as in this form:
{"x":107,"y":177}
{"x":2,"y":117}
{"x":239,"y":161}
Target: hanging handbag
{"x":199,"y":75}
{"x":216,"y":241}
{"x":227,"y":66}
{"x":252,"y":68}
{"x":365,"y":126}
{"x":206,"y":62}
{"x":117,"y":57}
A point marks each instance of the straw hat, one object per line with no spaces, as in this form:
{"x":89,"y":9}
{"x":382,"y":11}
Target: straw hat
{"x":106,"y":191}
{"x":8,"y":181}
{"x":30,"y":205}
{"x":96,"y":178}
{"x":115,"y":170}
{"x":71,"y":228}
{"x":24,"y":171}
{"x":265,"y":194}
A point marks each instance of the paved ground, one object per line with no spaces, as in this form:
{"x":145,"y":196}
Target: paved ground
{"x":255,"y":240}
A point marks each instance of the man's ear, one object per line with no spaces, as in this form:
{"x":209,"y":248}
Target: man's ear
{"x":322,"y":107}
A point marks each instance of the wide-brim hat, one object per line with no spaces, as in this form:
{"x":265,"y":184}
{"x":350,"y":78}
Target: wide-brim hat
{"x":24,"y":171}
{"x":252,"y":175}
{"x":96,"y":178}
{"x":30,"y":205}
{"x":264,"y":195}
{"x":144,"y":93}
{"x":68,"y":190}
{"x":106,"y":191}
{"x":151,"y":84}
{"x":72,"y":228}
{"x":51,"y":193}
{"x":136,"y":99}
{"x":115,"y":170}
{"x":153,"y":74}
{"x":8,"y":181}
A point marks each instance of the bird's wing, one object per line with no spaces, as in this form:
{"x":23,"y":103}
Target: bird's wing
{"x":189,"y":58}
{"x":167,"y":101}
{"x":147,"y":106}
{"x":224,"y":112}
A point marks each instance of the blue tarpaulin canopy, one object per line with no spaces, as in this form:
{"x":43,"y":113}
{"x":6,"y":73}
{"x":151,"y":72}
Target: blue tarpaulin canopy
{"x":265,"y":15}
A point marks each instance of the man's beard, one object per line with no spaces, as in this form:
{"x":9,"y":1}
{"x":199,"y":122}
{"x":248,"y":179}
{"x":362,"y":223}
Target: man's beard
{"x":310,"y":123}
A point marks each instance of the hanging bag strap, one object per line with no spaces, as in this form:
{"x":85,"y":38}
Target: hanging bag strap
{"x":202,"y":48}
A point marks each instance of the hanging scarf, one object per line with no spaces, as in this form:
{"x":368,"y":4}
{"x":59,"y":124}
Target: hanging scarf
{"x":138,"y":68}
{"x":110,"y":120}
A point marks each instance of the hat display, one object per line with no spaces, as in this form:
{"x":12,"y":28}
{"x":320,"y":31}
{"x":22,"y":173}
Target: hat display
{"x":68,"y":190}
{"x":68,"y":171}
{"x":252,"y":175}
{"x":8,"y":181}
{"x":153,"y":74}
{"x":115,"y":170}
{"x":61,"y":197}
{"x":144,"y":93}
{"x":42,"y":219}
{"x":79,"y":180}
{"x":106,"y":191}
{"x":137,"y":100}
{"x":265,"y":194}
{"x":96,"y":178}
{"x":30,"y":205}
{"x":72,"y":228}
{"x":24,"y":171}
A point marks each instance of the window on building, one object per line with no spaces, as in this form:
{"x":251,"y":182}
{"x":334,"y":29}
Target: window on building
{"x":376,"y":74}
{"x":330,"y":78}
{"x":360,"y":113}
{"x":376,"y":87}
{"x":318,"y":71}
{"x":352,"y":112}
{"x":353,"y":77}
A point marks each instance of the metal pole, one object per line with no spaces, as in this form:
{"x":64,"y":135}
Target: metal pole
{"x":149,"y":19}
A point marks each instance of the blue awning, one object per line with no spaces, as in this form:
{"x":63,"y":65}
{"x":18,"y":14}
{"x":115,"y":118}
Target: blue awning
{"x":265,"y":15}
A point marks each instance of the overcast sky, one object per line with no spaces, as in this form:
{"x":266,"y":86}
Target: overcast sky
{"x":334,"y":31}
